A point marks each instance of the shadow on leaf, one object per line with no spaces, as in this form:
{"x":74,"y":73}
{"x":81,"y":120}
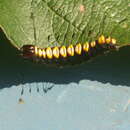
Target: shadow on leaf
{"x":113,"y":68}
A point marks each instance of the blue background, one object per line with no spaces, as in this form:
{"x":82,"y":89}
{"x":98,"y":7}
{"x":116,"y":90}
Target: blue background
{"x":90,"y":96}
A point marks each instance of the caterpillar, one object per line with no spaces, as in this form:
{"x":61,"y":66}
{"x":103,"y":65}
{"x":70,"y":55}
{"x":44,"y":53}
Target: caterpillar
{"x":60,"y":55}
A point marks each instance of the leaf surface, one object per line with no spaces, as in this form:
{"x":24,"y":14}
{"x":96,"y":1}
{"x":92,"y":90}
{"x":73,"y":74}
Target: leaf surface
{"x":62,"y":22}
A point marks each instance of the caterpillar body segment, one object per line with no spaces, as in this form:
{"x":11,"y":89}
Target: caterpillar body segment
{"x":63,"y":52}
{"x":56,"y":52}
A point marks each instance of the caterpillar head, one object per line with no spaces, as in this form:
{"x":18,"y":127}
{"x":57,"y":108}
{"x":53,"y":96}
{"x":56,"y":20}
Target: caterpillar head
{"x":28,"y":51}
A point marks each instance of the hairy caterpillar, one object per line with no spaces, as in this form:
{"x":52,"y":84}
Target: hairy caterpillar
{"x":61,"y":54}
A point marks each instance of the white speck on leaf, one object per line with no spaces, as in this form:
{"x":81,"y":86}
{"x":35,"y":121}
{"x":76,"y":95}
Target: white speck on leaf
{"x":81,"y":8}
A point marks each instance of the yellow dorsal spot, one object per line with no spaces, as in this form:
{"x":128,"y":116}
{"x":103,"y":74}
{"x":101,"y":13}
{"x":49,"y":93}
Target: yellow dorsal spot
{"x":78,"y":49}
{"x":63,"y":51}
{"x":70,"y":50}
{"x":49,"y":53}
{"x":36,"y":51}
{"x":113,"y":41}
{"x":56,"y":52}
{"x":43,"y":53}
{"x":108,"y":40}
{"x":39,"y":52}
{"x":101,"y":40}
{"x":93,"y":44}
{"x":86,"y":47}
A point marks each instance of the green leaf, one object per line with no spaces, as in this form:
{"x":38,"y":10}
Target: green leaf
{"x":62,"y":22}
